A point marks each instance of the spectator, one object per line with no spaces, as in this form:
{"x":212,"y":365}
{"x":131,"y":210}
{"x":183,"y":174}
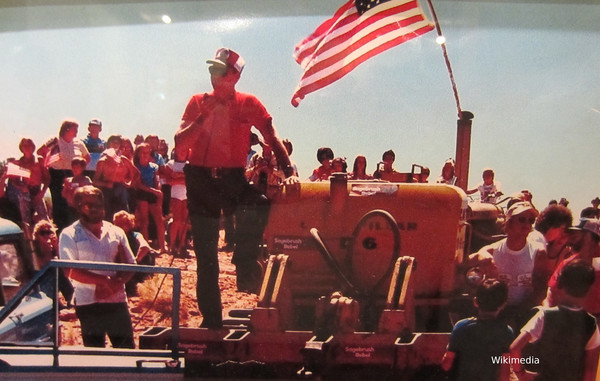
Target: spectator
{"x":254,"y":140}
{"x":264,"y":173}
{"x":139,"y":247}
{"x":564,"y":202}
{"x":359,"y":169}
{"x":45,"y":248}
{"x":139,"y":139}
{"x":127,"y":148}
{"x":100,"y":299}
{"x":385,"y":169}
{"x":153,"y":141}
{"x":489,"y":189}
{"x":513,"y":261}
{"x":160,"y":160}
{"x":447,"y":176}
{"x":477,"y":340}
{"x":148,"y":196}
{"x":165,"y":187}
{"x":26,"y":188}
{"x":551,"y":231}
{"x":422,"y":176}
{"x":215,"y":176}
{"x":339,"y":165}
{"x":115,"y":175}
{"x":584,"y":239}
{"x":179,"y":225}
{"x":591,"y":211}
{"x":322,"y":173}
{"x":71,"y":184}
{"x":290,"y":148}
{"x":58,"y":153}
{"x":566,"y":337}
{"x":163,"y":149}
{"x":95,"y":145}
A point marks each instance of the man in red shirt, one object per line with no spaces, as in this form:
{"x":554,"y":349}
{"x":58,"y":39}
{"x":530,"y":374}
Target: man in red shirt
{"x":216,"y":129}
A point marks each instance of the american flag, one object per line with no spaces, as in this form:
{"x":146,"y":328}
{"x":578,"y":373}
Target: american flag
{"x":14,"y":170}
{"x":358,"y":31}
{"x":52,"y":158}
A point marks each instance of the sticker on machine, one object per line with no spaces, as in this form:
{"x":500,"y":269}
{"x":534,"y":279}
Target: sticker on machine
{"x":372,"y":189}
{"x":292,"y":243}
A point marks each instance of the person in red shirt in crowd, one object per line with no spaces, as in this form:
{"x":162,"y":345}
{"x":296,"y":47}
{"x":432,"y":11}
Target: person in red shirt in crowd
{"x":215,"y":129}
{"x":322,"y":173}
{"x":585,"y":238}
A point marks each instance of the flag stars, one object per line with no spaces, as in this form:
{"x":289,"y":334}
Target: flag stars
{"x":364,"y":5}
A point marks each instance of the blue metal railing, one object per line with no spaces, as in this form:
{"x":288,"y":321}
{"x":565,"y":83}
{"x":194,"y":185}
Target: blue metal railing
{"x":55,"y":266}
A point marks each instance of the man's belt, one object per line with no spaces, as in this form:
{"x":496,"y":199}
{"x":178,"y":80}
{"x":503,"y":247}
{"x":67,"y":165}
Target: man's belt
{"x":220,"y":172}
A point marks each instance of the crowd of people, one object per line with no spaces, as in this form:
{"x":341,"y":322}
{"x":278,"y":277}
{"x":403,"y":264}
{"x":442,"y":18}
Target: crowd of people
{"x":111,"y":201}
{"x":540,"y":299}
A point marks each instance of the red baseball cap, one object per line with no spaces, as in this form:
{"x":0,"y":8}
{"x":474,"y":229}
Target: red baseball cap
{"x":227,"y":57}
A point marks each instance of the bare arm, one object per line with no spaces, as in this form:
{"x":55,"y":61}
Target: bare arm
{"x":448,"y":360}
{"x":271,"y":138}
{"x":516,"y":349}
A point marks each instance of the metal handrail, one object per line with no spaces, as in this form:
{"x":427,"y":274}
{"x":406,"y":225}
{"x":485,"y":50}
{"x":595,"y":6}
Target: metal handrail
{"x":56,"y":264}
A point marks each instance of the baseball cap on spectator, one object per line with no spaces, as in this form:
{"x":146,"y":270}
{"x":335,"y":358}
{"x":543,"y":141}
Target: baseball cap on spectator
{"x":96,"y":122}
{"x":520,"y":208}
{"x":228,"y":58}
{"x":590,"y":224}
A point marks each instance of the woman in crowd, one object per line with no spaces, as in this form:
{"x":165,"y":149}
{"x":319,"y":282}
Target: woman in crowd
{"x":148,"y":196}
{"x":58,"y":153}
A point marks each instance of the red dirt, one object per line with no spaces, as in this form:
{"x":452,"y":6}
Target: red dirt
{"x":145,"y":315}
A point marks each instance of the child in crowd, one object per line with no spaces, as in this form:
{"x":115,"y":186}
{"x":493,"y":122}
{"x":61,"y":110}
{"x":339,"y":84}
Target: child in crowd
{"x":567,"y":338}
{"x":339,"y":165}
{"x":28,"y":180}
{"x":322,"y":173}
{"x":148,"y":195}
{"x":71,"y":184}
{"x":489,"y":190}
{"x":385,"y":168}
{"x":139,"y":246}
{"x":476,"y":341}
{"x":95,"y":145}
{"x":448,"y":173}
{"x":176,"y":178}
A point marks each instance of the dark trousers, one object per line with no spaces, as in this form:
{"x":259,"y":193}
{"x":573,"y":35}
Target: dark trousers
{"x":60,"y":214}
{"x":115,"y":199}
{"x":208,"y":194}
{"x":100,"y":319}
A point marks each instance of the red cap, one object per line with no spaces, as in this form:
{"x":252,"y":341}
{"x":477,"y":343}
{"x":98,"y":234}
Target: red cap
{"x":227,"y":57}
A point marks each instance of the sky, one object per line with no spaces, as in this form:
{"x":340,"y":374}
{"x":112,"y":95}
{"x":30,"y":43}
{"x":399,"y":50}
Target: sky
{"x":528,"y":71}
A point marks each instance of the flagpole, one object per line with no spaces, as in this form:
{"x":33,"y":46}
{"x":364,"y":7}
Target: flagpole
{"x":446,"y":58}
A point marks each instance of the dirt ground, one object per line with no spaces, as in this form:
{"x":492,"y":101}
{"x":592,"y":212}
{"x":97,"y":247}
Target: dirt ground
{"x":149,"y":310}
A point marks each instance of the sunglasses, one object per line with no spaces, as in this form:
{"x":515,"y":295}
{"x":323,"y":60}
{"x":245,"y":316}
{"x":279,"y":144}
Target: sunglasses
{"x":217,"y":71}
{"x":46,"y":232}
